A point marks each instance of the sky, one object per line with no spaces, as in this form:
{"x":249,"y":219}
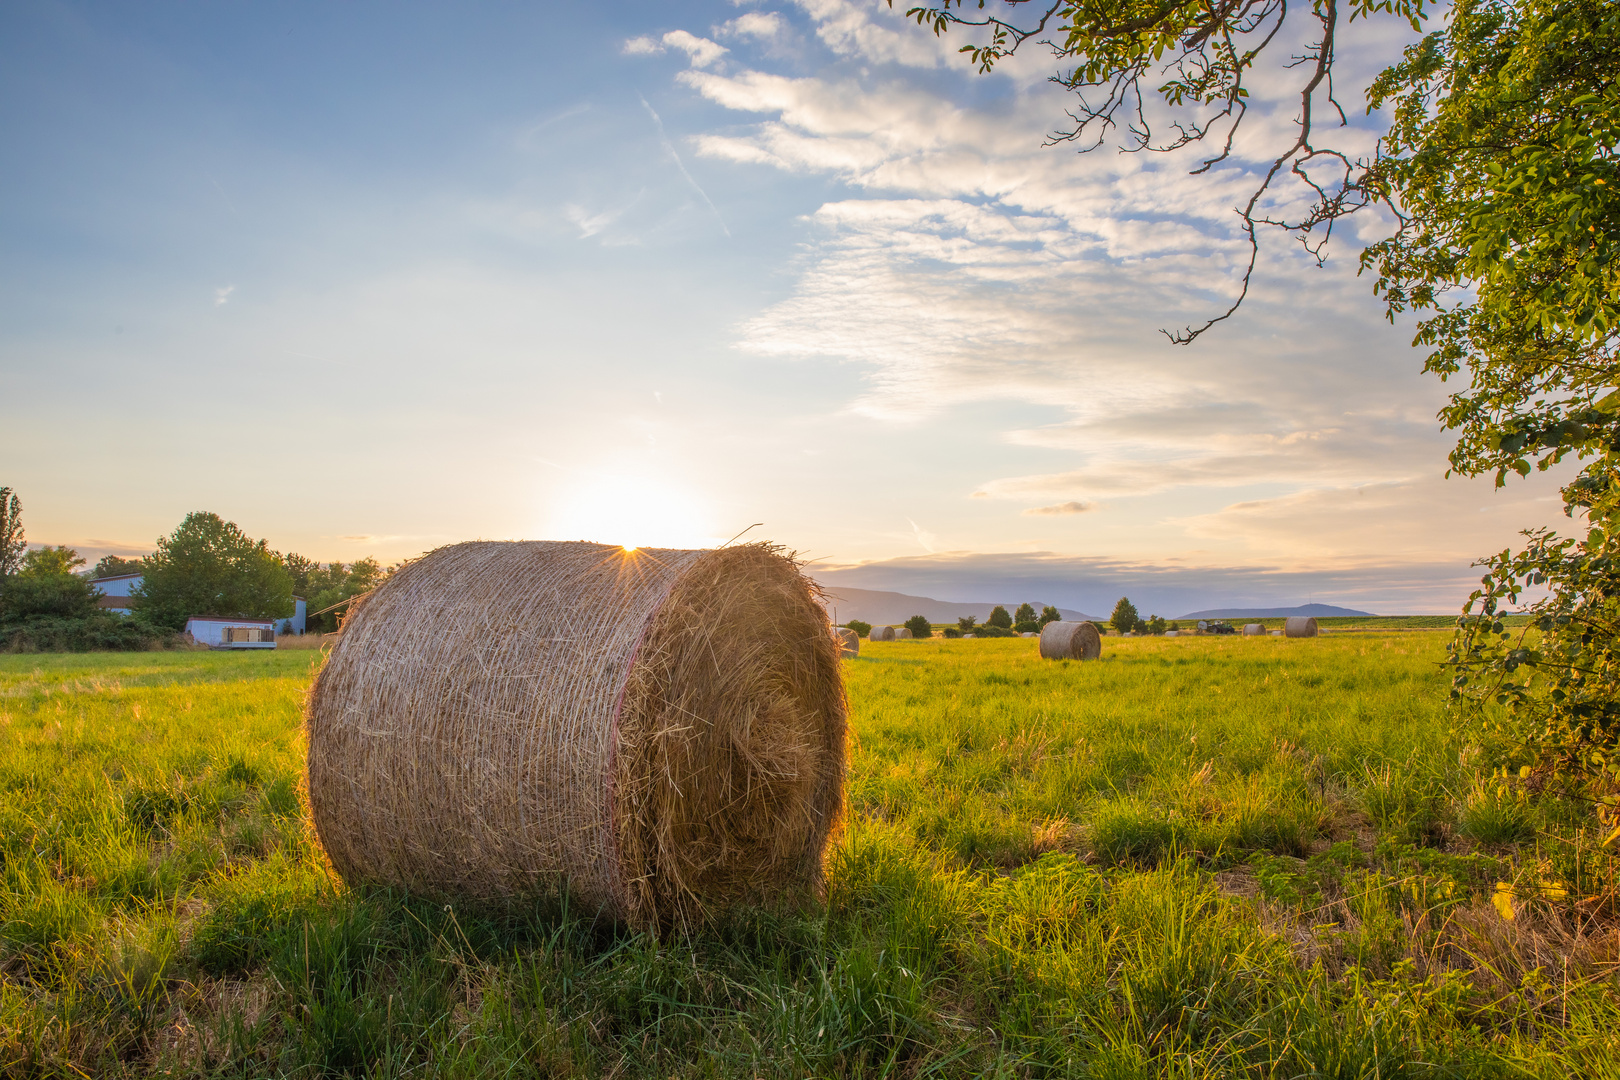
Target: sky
{"x":369,"y":279}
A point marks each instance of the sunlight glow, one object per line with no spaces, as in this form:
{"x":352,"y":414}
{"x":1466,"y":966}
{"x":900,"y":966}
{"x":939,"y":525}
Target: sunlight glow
{"x":630,"y":511}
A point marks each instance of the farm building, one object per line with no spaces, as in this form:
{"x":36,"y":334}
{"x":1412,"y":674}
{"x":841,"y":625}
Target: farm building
{"x":115,"y":597}
{"x":115,"y":592}
{"x":221,"y":633}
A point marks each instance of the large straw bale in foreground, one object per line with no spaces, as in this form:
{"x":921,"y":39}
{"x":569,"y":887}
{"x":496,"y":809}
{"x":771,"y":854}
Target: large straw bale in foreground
{"x":1070,"y":641}
{"x":1299,"y":626}
{"x":662,"y":731}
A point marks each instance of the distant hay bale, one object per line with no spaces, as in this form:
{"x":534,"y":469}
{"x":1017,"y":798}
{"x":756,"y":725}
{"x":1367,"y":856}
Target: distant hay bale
{"x":1070,"y":641}
{"x":849,"y":642}
{"x":900,"y":634}
{"x":1299,"y":626}
{"x":1172,"y":633}
{"x":1029,"y":633}
{"x":1254,"y":629}
{"x":881,"y":633}
{"x":660,"y":731}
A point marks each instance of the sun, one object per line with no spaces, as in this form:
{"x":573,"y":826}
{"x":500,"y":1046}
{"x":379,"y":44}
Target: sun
{"x":631,"y":511}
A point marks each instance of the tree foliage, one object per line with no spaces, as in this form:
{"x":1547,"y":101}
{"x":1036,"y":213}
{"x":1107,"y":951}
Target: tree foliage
{"x":1049,"y":614}
{"x":12,"y":544}
{"x":1125,"y":617}
{"x":209,"y":566}
{"x":116,"y":566}
{"x":1502,"y":154}
{"x":920,"y":627}
{"x":323,"y":587}
{"x":47,"y":561}
{"x":999,"y":618}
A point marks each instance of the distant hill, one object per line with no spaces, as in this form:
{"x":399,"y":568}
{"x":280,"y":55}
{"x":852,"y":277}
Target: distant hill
{"x":883,"y":608}
{"x":1317,"y":611}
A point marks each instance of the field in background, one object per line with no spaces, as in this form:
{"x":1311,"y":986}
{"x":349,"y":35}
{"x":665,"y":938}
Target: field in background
{"x":1215,"y":856}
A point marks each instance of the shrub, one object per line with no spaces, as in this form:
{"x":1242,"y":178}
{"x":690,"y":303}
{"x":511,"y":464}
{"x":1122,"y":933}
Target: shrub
{"x":1028,"y":626}
{"x":920,"y":627}
{"x":860,"y":628}
{"x":999,"y":617}
{"x":967,"y":623}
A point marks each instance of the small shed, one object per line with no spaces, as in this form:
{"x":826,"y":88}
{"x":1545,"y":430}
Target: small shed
{"x":220,"y":633}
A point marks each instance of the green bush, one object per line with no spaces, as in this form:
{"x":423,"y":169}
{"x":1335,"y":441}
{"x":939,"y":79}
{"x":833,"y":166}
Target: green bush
{"x":920,"y":627}
{"x":860,"y":628}
{"x":999,"y":618}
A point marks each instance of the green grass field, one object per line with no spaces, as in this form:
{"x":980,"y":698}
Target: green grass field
{"x":1205,"y":857}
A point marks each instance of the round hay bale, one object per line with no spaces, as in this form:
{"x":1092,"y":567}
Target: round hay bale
{"x":660,"y":731}
{"x":1029,"y":633}
{"x":1070,"y":641}
{"x":901,"y":634}
{"x":1254,"y":629}
{"x":1172,"y":633}
{"x":849,"y":642}
{"x":1276,"y":633}
{"x":1299,"y":626}
{"x":881,"y":633}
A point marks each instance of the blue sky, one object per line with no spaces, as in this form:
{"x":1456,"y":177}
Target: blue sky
{"x":368,"y":279}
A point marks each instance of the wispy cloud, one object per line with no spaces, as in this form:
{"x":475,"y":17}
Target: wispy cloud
{"x":222,"y":295}
{"x":669,"y":148}
{"x":1060,"y":509}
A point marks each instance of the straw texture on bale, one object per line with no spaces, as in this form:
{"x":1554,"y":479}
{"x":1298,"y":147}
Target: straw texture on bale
{"x":661,"y":732}
{"x":1299,"y":626}
{"x":1070,"y":641}
{"x":1254,"y":629}
{"x":849,"y":642}
{"x":881,"y":633}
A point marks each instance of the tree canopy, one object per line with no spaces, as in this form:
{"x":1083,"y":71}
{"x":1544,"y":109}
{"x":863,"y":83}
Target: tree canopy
{"x":209,"y":566}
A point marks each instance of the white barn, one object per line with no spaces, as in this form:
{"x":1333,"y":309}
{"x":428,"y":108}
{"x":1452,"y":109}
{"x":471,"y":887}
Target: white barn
{"x":220,"y":633}
{"x":115,"y":592}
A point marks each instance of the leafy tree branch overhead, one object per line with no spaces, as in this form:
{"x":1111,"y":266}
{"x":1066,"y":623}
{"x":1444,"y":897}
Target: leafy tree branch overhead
{"x":1164,"y":74}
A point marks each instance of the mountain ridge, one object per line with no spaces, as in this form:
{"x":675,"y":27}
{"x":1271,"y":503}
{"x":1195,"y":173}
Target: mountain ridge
{"x":882,"y":608}
{"x":1317,"y":611}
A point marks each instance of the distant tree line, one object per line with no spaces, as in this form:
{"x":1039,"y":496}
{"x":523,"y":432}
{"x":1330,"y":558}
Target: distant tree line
{"x":206,"y":566}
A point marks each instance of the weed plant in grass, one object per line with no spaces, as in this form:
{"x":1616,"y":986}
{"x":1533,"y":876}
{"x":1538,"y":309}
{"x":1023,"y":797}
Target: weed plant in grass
{"x":1207,"y":857}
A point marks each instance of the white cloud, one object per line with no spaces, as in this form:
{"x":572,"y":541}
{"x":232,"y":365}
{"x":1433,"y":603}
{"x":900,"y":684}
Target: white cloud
{"x":641,"y":46}
{"x":762,"y":25}
{"x":222,"y":295}
{"x":700,"y":51}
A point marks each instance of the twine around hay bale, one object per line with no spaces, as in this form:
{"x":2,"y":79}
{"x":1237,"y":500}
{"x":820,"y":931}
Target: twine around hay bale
{"x":1254,"y":629}
{"x":849,"y":642}
{"x":1070,"y":641}
{"x":881,"y":633}
{"x":660,"y":731}
{"x":1299,"y":626}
